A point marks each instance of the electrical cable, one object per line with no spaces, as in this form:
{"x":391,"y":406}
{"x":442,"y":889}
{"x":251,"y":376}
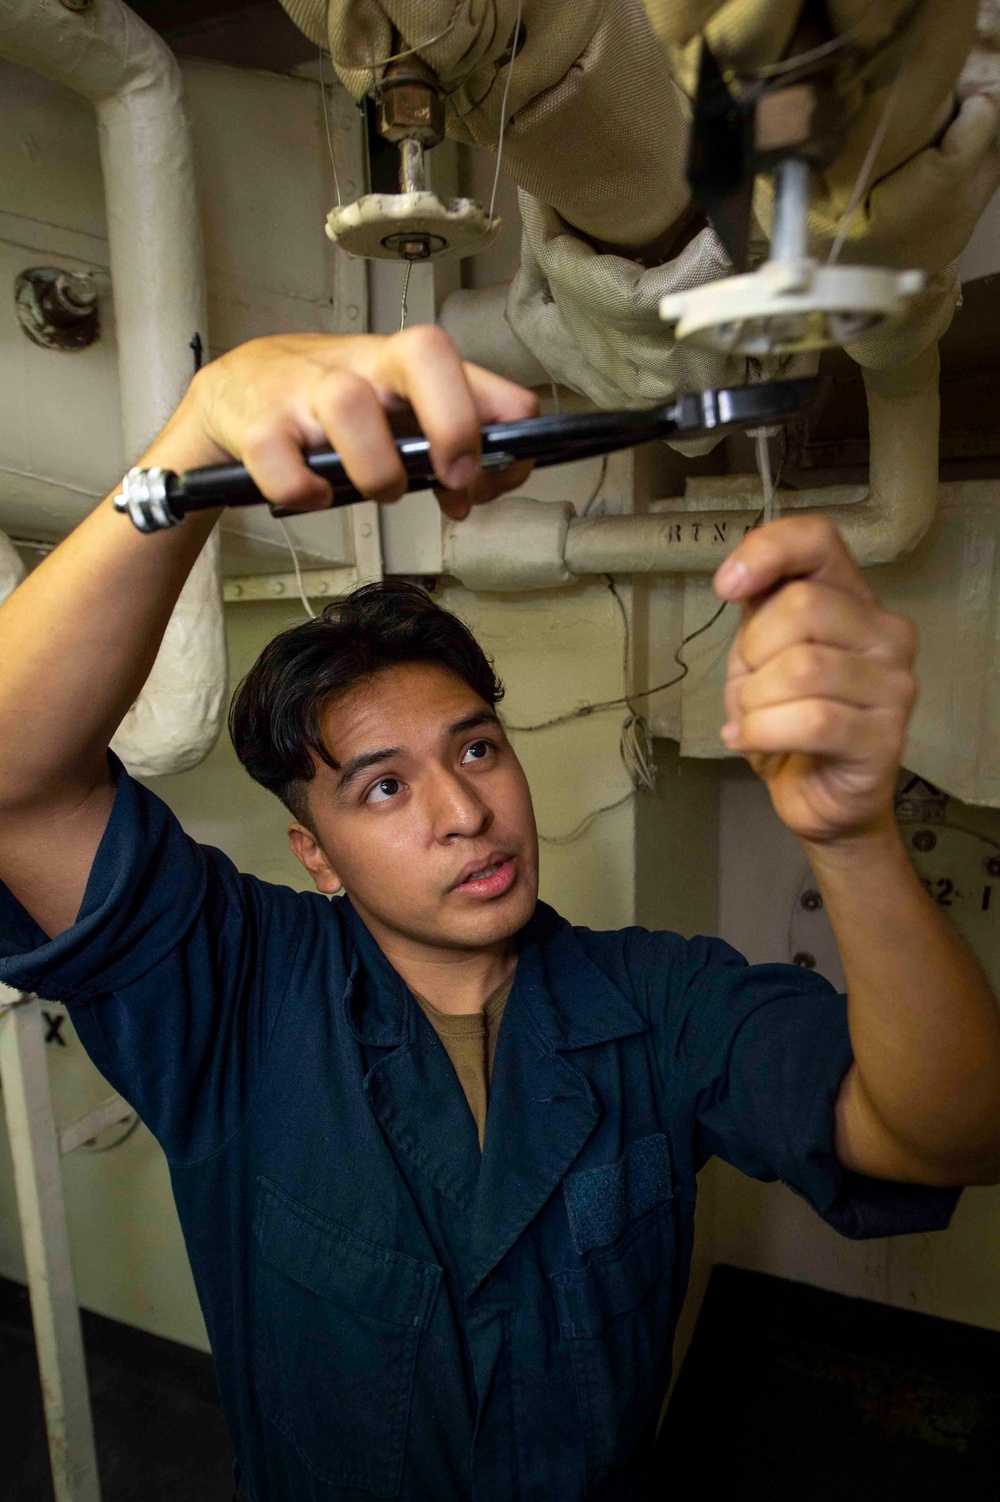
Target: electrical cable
{"x":310,"y":612}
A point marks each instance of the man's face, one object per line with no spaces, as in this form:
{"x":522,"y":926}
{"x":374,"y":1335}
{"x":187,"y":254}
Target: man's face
{"x":428,"y":823}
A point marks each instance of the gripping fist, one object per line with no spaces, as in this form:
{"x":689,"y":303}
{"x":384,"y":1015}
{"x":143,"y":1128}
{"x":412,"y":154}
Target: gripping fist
{"x":820,"y":681}
{"x":267,"y":401}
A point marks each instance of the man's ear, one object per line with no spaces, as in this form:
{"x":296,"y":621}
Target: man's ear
{"x":307,"y":849}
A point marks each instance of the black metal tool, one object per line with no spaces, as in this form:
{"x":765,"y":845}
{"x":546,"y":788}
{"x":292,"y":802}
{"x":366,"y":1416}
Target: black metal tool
{"x":158,"y":498}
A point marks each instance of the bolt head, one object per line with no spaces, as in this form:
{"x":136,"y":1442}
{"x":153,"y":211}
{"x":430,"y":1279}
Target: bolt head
{"x":411,"y":111}
{"x":924,"y":840}
{"x":804,"y":960}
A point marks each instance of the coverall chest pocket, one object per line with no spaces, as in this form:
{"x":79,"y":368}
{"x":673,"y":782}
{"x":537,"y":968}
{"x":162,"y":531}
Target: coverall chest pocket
{"x":337,"y":1326}
{"x":616,"y":1312}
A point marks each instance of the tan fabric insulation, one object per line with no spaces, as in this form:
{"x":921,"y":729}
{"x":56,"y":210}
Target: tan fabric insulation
{"x":596,"y":140}
{"x":596,"y":125}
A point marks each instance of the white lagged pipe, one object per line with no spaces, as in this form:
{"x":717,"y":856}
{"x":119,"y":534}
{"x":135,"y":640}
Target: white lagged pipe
{"x":878,"y":524}
{"x":477,"y":321}
{"x":106,"y":53}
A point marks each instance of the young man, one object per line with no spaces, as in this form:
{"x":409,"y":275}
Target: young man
{"x":409,"y":1295}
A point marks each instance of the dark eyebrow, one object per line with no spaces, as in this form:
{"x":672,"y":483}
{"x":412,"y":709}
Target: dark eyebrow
{"x":473,"y":721}
{"x":358,"y":764}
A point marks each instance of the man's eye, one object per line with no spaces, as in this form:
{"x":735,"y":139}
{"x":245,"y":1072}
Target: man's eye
{"x":478,"y":751}
{"x":383,"y":790}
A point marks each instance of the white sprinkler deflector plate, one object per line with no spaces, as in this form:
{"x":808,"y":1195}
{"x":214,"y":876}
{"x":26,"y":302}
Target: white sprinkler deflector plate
{"x":787,"y":307}
{"x":377,"y":226}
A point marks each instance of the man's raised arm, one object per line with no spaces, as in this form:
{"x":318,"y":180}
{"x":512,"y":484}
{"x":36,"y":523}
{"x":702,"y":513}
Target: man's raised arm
{"x":79,"y":636}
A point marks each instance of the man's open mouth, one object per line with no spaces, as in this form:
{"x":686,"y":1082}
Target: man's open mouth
{"x":491,"y":879}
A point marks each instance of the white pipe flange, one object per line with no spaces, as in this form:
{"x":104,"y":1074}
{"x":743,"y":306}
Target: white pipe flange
{"x":790,"y":306}
{"x":410,"y":226}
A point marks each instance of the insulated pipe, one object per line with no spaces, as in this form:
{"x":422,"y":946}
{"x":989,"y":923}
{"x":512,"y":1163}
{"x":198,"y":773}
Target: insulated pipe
{"x":476,"y":319}
{"x":111,"y":57}
{"x":878,"y":524}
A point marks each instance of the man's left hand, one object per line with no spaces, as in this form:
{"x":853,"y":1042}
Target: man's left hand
{"x":820,"y":681}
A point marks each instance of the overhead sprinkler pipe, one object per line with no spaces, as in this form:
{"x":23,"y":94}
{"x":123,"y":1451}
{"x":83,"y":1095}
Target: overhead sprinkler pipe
{"x":111,"y":57}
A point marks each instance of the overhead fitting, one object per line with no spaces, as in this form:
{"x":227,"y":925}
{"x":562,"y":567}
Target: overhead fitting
{"x":414,"y":224}
{"x":788,"y":125}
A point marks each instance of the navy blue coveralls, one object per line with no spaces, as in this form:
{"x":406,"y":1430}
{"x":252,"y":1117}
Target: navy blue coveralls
{"x":393,"y":1314}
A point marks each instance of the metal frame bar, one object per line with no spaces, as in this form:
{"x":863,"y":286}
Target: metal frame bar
{"x":34,"y":1145}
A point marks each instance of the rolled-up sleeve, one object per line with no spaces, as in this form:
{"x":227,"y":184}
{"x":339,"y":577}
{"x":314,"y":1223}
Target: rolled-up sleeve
{"x":764,"y":1050}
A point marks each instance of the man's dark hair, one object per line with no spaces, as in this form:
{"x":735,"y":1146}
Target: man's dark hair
{"x":275,"y":715}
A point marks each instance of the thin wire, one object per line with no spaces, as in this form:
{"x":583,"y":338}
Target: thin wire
{"x":326,"y":122}
{"x":825,"y":49}
{"x":298,"y":571}
{"x":836,"y":44}
{"x":863,"y":182}
{"x":404,"y":306}
{"x":515,"y":46}
{"x":766,"y":478}
{"x":602,"y":476}
{"x":395,"y":57}
{"x":585,"y":710}
{"x":555,"y":397}
{"x":584,"y":825}
{"x":633,"y":744}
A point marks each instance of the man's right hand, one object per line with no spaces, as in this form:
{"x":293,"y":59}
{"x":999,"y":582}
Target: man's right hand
{"x":79,"y":636}
{"x":266,"y":402}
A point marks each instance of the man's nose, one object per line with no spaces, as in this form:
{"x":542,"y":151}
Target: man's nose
{"x":457,"y":807}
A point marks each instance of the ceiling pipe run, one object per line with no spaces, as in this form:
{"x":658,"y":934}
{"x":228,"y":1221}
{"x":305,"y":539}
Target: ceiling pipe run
{"x":519,"y":544}
{"x":111,"y":57}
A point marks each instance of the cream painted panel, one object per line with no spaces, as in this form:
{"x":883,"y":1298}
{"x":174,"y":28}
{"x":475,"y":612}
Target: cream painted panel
{"x":49,"y":164}
{"x":265,"y":184}
{"x":765,"y":1227}
{"x":556,"y":651}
